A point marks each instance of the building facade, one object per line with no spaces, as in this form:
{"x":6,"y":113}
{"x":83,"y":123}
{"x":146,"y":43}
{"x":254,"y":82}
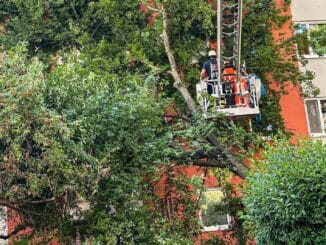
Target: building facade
{"x":308,"y":18}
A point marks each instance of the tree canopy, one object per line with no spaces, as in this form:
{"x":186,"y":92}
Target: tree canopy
{"x":67,"y":134}
{"x":85,"y":87}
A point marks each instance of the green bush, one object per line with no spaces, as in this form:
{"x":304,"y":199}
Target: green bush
{"x":286,"y":195}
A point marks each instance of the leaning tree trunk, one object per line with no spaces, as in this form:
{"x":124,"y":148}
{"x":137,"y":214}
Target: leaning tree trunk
{"x":231,"y":162}
{"x":178,"y":83}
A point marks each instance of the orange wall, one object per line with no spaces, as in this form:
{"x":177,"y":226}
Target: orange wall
{"x":210,"y":182}
{"x":292,"y":105}
{"x":13,"y":221}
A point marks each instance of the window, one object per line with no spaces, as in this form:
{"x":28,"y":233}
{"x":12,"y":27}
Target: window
{"x":311,"y":40}
{"x":210,"y":217}
{"x":316,"y":115}
{"x":3,"y":224}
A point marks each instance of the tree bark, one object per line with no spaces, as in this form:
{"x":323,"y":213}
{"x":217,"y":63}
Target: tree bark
{"x":209,"y":163}
{"x":178,"y":83}
{"x":232,"y":163}
{"x":217,"y":157}
{"x":238,"y":169}
{"x":14,"y":232}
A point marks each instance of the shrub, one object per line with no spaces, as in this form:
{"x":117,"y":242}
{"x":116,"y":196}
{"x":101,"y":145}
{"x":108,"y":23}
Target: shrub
{"x":286,"y":195}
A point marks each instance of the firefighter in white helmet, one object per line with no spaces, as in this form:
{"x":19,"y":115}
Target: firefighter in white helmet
{"x":209,"y":70}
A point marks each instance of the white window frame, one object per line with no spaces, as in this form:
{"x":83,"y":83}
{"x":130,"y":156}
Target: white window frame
{"x":3,"y":224}
{"x":215,"y":227}
{"x":323,"y":134}
{"x":308,"y":27}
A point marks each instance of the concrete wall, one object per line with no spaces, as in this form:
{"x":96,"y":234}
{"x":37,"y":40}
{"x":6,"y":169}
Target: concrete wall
{"x":318,"y":65}
{"x":322,"y":139}
{"x":312,"y":11}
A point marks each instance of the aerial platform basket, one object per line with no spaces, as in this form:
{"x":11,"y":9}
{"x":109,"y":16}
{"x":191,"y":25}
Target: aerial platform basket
{"x":229,"y":89}
{"x":234,"y":101}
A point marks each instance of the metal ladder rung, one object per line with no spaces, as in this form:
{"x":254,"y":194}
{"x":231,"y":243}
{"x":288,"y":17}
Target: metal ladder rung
{"x":230,"y":6}
{"x":229,"y":25}
{"x":229,"y":34}
{"x":229,"y":57}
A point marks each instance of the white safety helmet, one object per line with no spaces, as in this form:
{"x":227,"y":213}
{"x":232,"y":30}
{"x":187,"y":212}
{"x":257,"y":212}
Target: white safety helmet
{"x":211,"y":53}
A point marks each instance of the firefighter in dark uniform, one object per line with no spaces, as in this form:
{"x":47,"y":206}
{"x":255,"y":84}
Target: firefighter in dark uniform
{"x":209,"y":71}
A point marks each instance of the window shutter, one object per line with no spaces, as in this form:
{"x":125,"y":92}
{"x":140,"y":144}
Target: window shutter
{"x":314,"y":119}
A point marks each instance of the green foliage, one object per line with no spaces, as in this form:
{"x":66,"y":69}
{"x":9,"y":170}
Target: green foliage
{"x":314,"y":38}
{"x":285,"y":197}
{"x":266,"y":59}
{"x":318,"y":40}
{"x":85,"y":125}
{"x":271,"y":121}
{"x":49,"y":26}
{"x":303,"y":43}
{"x":75,"y":135}
{"x":85,"y":134}
{"x":258,"y":47}
{"x":45,"y":25}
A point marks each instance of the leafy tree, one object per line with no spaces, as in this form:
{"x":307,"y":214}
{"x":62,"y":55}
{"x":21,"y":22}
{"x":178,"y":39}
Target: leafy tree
{"x":187,"y":28}
{"x":45,"y":25}
{"x":285,"y":196}
{"x":77,"y":137}
{"x":92,"y":125}
{"x":71,"y":137}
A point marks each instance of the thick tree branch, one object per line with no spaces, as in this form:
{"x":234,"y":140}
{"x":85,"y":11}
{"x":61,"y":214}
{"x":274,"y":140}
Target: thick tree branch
{"x":217,"y":157}
{"x":4,"y":202}
{"x":14,"y":232}
{"x":234,"y":165}
{"x":214,"y":155}
{"x":209,"y":163}
{"x":15,"y":207}
{"x":178,"y":84}
{"x":155,"y":70}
